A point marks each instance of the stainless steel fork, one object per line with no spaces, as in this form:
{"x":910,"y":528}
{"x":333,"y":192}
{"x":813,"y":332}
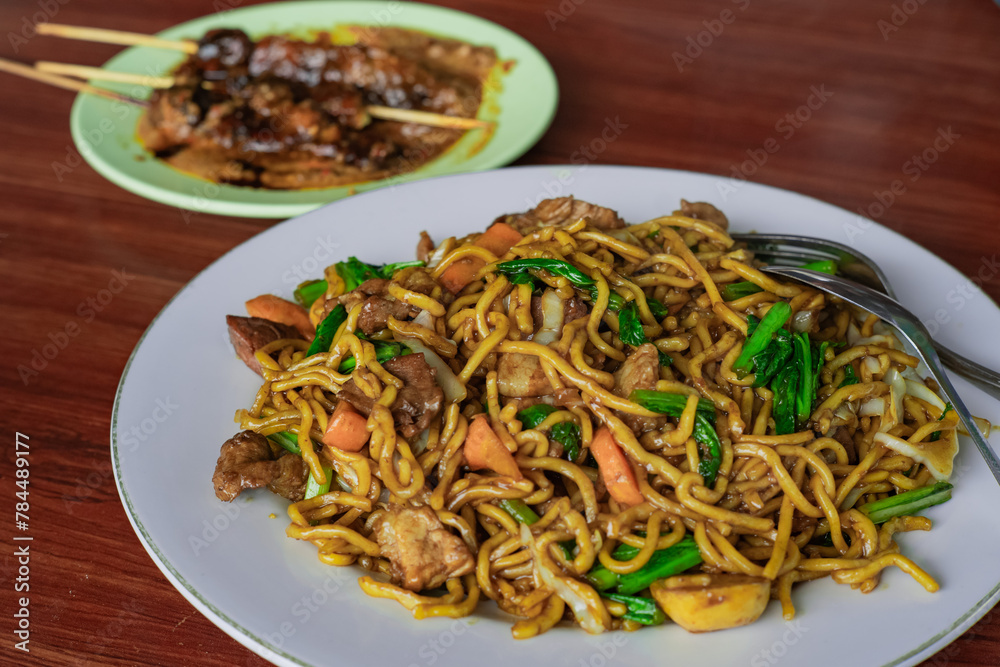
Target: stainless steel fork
{"x":792,"y":250}
{"x":894,"y":314}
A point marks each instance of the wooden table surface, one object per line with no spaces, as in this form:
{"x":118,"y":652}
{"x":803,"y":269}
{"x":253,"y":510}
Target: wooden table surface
{"x":696,"y":85}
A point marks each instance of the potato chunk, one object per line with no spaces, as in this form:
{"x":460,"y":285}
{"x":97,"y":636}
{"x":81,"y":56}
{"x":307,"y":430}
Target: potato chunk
{"x":706,"y":602}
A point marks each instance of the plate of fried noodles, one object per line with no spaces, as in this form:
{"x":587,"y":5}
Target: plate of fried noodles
{"x":558,"y":414}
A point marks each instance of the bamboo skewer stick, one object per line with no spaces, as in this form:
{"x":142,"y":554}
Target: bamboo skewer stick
{"x":100,"y":74}
{"x":426,"y":118}
{"x":64,"y":82}
{"x":115,"y":37}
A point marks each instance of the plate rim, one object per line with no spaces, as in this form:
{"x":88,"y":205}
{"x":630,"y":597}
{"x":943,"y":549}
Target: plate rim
{"x":548,"y":93}
{"x":259,"y":645}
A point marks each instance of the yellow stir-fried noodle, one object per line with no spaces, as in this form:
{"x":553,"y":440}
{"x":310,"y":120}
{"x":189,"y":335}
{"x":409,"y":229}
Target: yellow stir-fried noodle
{"x":545,"y":535}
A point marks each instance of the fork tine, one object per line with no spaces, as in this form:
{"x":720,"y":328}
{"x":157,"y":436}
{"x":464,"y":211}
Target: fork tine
{"x":797,"y":255}
{"x":851,"y":263}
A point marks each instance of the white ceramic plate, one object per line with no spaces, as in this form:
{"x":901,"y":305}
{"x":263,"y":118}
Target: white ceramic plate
{"x":183,"y":384}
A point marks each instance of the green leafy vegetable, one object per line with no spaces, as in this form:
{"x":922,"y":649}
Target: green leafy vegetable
{"x":908,"y":502}
{"x":734,"y":291}
{"x":568,"y":434}
{"x":657,"y":308}
{"x":936,"y":435}
{"x":640,"y":609}
{"x":669,"y":403}
{"x":709,"y":447}
{"x":534,"y":415}
{"x":384,"y":351}
{"x":850,"y":377}
{"x":630,"y":326}
{"x":326,"y":330}
{"x":663,"y":563}
{"x":354,"y":272}
{"x":761,"y":337}
{"x":306,"y":293}
{"x":665,"y":359}
{"x":522,"y":271}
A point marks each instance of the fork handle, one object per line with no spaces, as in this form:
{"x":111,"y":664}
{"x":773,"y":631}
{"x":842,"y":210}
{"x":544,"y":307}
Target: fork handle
{"x":982,"y":377}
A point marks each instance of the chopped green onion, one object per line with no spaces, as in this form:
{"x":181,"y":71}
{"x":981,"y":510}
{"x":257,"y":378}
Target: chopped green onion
{"x":519,"y":509}
{"x":326,"y":330}
{"x":306,"y":293}
{"x":289,"y":441}
{"x":908,"y":502}
{"x":314,"y":488}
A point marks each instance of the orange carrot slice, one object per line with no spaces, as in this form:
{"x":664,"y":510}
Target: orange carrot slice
{"x":347,"y":429}
{"x":276,"y":309}
{"x":498,"y":239}
{"x":615,"y":469}
{"x":484,"y":449}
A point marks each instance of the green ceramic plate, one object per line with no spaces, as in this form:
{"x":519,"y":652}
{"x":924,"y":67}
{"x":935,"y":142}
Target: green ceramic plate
{"x":523,"y":107}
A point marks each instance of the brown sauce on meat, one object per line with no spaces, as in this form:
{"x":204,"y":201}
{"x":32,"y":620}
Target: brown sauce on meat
{"x":289,"y":114}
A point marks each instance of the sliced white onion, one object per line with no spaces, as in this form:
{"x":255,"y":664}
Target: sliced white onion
{"x":803,"y":320}
{"x":920,"y":390}
{"x":588,"y":617}
{"x":897,"y":389}
{"x":552,"y":319}
{"x":873,"y":407}
{"x":853,"y":334}
{"x":938,"y":456}
{"x":454,"y":391}
{"x":873,"y":365}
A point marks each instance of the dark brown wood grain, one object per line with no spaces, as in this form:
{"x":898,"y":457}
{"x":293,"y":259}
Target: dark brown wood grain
{"x":96,"y":597}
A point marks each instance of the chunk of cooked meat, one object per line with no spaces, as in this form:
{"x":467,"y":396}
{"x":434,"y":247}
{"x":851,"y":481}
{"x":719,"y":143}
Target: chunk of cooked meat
{"x":640,"y":370}
{"x":425,"y":247}
{"x":417,"y":403}
{"x":703,"y":211}
{"x":563,"y":211}
{"x":249,"y":334}
{"x":378,"y":305}
{"x":246,"y":461}
{"x":521,"y":376}
{"x":422,"y":552}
